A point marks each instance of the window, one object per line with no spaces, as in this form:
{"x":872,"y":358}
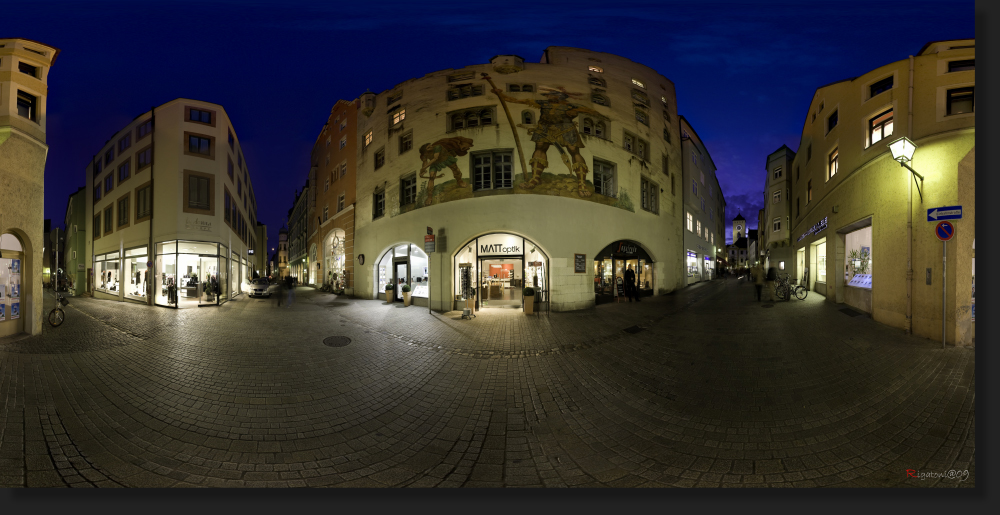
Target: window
{"x":640,"y":97}
{"x":144,"y":158}
{"x":597,"y":81}
{"x":340,"y":203}
{"x":367,"y":140}
{"x":831,"y":122}
{"x":880,"y":86}
{"x":637,"y":82}
{"x":664,"y":101}
{"x":228,"y":203}
{"x":666,"y":164}
{"x":239,"y":188}
{"x":229,"y":169}
{"x":597,"y":69}
{"x":666,"y":135}
{"x":961,"y":101}
{"x":471,"y":118}
{"x":326,"y":213}
{"x":694,"y":187}
{"x":628,"y":142}
{"x":108,"y":222}
{"x":690,"y":222}
{"x":642,"y":150}
{"x":457,"y":91}
{"x":24,"y":67}
{"x":97,"y":225}
{"x":650,"y":192}
{"x":666,"y":116}
{"x":109,"y":183}
{"x":641,"y":116}
{"x":123,"y":211}
{"x":378,"y":204}
{"x":798,"y":207}
{"x":809,"y":192}
{"x":326,"y":187}
{"x":492,"y":170}
{"x":599,"y":130}
{"x":600,"y":99}
{"x":880,"y":127}
{"x":408,"y":190}
{"x":702,"y":204}
{"x":343,"y":125}
{"x":698,"y":225}
{"x":604,"y":178}
{"x":343,"y":169}
{"x":97,"y":167}
{"x":461,"y":76}
{"x":711,"y":214}
{"x":200,"y":116}
{"x":232,"y":141}
{"x":406,"y":142}
{"x":124,"y":143}
{"x":776,"y":197}
{"x":833,"y":165}
{"x":124,"y":171}
{"x":198,"y":197}
{"x":809,"y":152}
{"x":97,"y":193}
{"x":397,"y":116}
{"x":588,"y":126}
{"x":199,"y":145}
{"x":527,"y":117}
{"x":961,"y":66}
{"x":379,"y":158}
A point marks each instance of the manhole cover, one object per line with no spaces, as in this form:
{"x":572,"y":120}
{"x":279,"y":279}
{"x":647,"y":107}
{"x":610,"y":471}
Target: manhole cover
{"x":337,"y":341}
{"x":850,"y":312}
{"x":634,"y":329}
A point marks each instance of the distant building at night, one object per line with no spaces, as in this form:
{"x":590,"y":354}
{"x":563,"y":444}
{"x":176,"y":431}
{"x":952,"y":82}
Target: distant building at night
{"x":737,"y":250}
{"x":172,"y":222}
{"x":853,"y":203}
{"x":560,"y":179}
{"x":298,"y":226}
{"x":24,"y":73}
{"x":704,"y":207}
{"x":774,"y":226}
{"x":282,"y":261}
{"x":76,"y":242}
{"x":332,"y":190}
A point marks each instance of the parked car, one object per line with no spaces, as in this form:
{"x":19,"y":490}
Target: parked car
{"x":259,"y":288}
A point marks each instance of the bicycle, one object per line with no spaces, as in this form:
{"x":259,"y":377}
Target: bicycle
{"x":783,"y":289}
{"x":57,"y":315}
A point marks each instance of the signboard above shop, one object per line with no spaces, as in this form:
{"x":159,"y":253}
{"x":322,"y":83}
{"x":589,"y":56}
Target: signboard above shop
{"x":500,"y":245}
{"x":818,"y":228}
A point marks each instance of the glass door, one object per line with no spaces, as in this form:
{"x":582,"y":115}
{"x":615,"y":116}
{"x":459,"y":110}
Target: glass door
{"x":502,"y":282}
{"x":209,"y":266}
{"x":402,"y":272}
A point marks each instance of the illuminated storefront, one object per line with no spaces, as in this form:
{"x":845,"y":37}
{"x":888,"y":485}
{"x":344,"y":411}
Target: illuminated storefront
{"x":495,"y":268}
{"x":399,"y":265}
{"x":613,"y":261}
{"x":190,"y":273}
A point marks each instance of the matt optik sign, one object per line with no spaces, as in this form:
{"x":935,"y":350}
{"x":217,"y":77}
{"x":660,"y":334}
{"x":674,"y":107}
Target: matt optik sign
{"x":500,"y":245}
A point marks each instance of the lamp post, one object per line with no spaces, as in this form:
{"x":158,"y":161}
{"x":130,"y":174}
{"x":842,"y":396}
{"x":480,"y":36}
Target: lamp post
{"x":902,"y":150}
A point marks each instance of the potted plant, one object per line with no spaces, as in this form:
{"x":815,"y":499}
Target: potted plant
{"x":388,"y":292}
{"x":529,"y":300}
{"x":406,"y":295}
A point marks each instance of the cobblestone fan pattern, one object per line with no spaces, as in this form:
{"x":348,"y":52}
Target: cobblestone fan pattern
{"x":706,"y":390}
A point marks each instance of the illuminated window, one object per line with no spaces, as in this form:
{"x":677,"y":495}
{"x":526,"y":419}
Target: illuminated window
{"x":880,"y":127}
{"x":698,"y":225}
{"x":367,"y":140}
{"x":597,"y":69}
{"x":638,"y":83}
{"x":690,"y":222}
{"x":961,"y":101}
{"x":398,"y":115}
{"x":833,"y":166}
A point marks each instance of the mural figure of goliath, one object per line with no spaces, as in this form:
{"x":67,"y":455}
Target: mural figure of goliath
{"x":439,"y":155}
{"x":555,"y":126}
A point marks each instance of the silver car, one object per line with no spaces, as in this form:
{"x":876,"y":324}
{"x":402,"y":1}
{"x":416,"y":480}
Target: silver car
{"x":259,"y":288}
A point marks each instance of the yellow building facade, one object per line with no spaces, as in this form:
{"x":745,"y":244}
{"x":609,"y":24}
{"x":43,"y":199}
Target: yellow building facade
{"x":860,"y":225}
{"x":24,"y":71}
{"x":555,"y":175}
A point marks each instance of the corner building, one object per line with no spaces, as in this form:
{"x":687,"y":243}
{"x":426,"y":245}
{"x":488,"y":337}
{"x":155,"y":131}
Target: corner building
{"x":859,"y":219}
{"x":559,"y":182}
{"x":173,"y":210}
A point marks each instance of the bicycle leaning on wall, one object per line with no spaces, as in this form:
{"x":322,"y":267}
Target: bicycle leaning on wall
{"x":783,"y":289}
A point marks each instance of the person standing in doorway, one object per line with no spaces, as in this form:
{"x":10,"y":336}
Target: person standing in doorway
{"x":630,"y":283}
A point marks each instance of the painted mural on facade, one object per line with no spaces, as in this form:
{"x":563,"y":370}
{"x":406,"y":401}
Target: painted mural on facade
{"x":556,"y":128}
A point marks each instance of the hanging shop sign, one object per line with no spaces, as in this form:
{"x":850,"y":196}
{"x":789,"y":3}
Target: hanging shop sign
{"x":816,"y":229}
{"x":429,"y":243}
{"x":624,"y":249}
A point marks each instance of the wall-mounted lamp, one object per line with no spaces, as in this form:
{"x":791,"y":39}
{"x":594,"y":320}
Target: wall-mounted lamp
{"x":902,"y":150}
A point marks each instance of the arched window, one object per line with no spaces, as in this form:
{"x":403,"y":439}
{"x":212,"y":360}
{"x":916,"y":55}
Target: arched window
{"x":472,"y":120}
{"x":600,"y":130}
{"x":527,"y":118}
{"x":514,"y":88}
{"x":599,"y":99}
{"x":588,"y":126}
{"x":486,"y":117}
{"x":597,"y":81}
{"x":457,"y":121}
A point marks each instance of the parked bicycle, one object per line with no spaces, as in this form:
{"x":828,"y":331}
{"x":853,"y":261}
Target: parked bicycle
{"x":784,"y":289}
{"x":57,"y":315}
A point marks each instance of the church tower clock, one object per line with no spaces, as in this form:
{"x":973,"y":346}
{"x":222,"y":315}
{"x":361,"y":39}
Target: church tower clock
{"x":739,"y":227}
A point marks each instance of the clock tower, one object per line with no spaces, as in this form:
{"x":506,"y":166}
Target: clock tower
{"x":739,"y":227}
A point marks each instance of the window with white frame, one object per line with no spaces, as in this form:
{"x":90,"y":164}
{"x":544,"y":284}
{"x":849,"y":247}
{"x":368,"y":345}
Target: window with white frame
{"x":492,"y":170}
{"x":604,"y":178}
{"x":879,"y":127}
{"x":397,"y":116}
{"x":776,"y":197}
{"x":639,"y":83}
{"x":833,"y":165}
{"x":408,"y":190}
{"x":776,"y":225}
{"x":650,"y":192}
{"x":378,"y":203}
{"x":368,"y":140}
{"x":690,"y":222}
{"x":777,"y":172}
{"x":340,"y":203}
{"x":960,"y":101}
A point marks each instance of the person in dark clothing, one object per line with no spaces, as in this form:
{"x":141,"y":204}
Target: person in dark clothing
{"x":630,"y":284}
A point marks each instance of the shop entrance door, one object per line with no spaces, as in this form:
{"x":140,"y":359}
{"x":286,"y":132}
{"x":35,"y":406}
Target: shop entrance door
{"x":401,"y":273}
{"x":501,"y":282}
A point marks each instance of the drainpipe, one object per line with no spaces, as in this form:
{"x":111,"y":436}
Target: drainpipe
{"x":909,"y":214}
{"x":151,"y":255}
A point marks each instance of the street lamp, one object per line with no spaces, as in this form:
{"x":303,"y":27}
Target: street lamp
{"x":902,"y":150}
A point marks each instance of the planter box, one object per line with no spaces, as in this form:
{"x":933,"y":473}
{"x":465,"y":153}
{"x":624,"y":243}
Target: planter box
{"x":529,"y":304}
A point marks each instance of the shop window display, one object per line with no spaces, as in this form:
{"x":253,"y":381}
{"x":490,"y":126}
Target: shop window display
{"x":10,"y":287}
{"x":107,"y":268}
{"x":189,"y":274}
{"x":136,"y":273}
{"x":404,"y":264}
{"x":858,"y":258}
{"x":821,"y":262}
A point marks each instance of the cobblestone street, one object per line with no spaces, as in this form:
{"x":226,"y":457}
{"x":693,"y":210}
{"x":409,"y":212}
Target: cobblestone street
{"x":701,"y":388}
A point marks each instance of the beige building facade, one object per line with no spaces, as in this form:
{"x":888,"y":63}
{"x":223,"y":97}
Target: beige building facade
{"x":24,"y":71}
{"x":860,"y":225}
{"x":172,"y":209}
{"x":704,"y":208}
{"x":774,"y":226}
{"x":555,"y":175}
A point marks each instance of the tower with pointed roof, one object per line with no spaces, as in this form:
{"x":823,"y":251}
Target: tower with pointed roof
{"x":739,"y":227}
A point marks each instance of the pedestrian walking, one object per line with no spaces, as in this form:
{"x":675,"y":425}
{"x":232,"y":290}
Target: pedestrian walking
{"x":281,"y":290}
{"x":772,"y":275}
{"x":291,"y":291}
{"x":757,"y":273}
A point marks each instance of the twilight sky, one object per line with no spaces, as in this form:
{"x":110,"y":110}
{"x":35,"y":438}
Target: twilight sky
{"x":744,"y":72}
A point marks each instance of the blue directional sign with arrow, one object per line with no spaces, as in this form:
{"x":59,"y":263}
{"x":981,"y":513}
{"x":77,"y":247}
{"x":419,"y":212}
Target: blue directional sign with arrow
{"x":944,"y":213}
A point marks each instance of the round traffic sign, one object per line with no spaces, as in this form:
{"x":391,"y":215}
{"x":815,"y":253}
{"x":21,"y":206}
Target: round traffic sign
{"x":944,"y":231}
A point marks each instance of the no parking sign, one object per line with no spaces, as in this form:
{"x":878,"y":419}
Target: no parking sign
{"x":944,"y":231}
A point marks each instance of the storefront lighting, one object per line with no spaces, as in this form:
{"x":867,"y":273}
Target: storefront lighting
{"x":902,"y":150}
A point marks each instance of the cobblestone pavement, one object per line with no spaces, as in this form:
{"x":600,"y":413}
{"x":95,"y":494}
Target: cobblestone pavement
{"x":706,"y":389}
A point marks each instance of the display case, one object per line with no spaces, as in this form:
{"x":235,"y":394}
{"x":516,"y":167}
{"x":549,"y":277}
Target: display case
{"x":861,"y":281}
